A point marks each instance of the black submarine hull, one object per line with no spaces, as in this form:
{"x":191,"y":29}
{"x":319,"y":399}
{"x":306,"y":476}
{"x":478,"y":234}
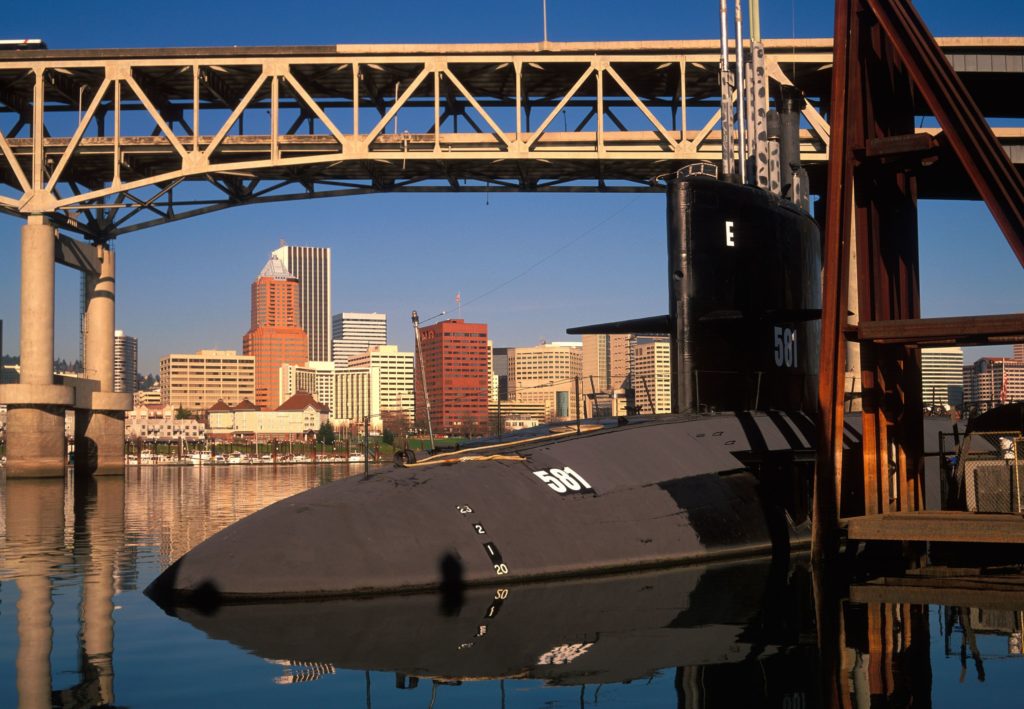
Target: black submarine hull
{"x":648,"y":494}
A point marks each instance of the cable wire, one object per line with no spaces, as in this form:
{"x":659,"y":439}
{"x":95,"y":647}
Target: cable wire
{"x":537,"y":263}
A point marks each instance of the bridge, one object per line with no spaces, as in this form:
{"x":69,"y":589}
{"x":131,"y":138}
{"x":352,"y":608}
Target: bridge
{"x":112,"y":141}
{"x":103,"y":143}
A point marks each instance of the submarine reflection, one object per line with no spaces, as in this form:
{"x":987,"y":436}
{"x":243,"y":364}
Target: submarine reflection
{"x":716,"y":624}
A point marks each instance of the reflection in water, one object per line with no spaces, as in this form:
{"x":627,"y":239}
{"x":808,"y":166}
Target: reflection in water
{"x":53,"y":529}
{"x":737,"y":618}
{"x":33,"y":551}
{"x":74,"y":554}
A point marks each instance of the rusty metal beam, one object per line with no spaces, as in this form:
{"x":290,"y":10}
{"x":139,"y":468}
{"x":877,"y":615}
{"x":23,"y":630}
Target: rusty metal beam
{"x":991,"y":171}
{"x":968,"y":330}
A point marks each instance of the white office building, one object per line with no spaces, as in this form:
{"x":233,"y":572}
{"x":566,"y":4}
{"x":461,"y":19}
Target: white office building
{"x":652,"y":376}
{"x":314,"y":378}
{"x":396,"y":377}
{"x":355,"y":334}
{"x":942,"y":382}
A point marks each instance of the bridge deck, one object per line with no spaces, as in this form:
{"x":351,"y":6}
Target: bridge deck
{"x":121,"y":139}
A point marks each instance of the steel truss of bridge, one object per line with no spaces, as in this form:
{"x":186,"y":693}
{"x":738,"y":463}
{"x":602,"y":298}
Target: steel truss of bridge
{"x":108,"y":142}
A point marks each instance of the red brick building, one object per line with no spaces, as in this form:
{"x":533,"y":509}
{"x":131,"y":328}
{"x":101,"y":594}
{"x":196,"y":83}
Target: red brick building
{"x":454,"y":356}
{"x":274,"y":336}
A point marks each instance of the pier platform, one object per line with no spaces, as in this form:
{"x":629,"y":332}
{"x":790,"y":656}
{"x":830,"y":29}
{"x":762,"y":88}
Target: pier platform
{"x":937,"y":526}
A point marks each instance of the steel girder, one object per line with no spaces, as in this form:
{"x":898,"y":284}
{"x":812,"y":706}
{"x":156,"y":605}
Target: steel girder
{"x":113,"y":141}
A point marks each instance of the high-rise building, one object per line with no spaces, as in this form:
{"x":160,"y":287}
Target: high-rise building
{"x":312,"y":266}
{"x":396,"y":369}
{"x":454,"y":359}
{"x":126,"y":362}
{"x":606,"y":359}
{"x":499,"y":368}
{"x":1018,"y":351}
{"x":652,"y":376}
{"x":355,"y":333}
{"x":548,"y":374}
{"x":992,"y":381}
{"x":274,"y":336}
{"x":942,"y":376}
{"x":197,"y":381}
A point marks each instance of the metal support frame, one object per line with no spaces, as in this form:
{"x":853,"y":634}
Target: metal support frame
{"x":885,"y":54}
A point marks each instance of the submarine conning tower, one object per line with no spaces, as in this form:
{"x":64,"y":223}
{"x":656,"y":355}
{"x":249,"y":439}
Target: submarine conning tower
{"x":744,"y":271}
{"x":744,"y":261}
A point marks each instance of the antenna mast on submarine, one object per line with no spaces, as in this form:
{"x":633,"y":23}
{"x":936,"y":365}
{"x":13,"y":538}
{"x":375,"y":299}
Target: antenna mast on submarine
{"x":740,"y":94}
{"x":725,"y":83}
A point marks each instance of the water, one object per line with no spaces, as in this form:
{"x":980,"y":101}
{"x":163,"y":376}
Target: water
{"x":76,"y":630}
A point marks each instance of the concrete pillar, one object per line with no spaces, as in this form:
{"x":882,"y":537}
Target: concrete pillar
{"x":98,"y":328}
{"x":99,"y":428}
{"x":38,"y":242}
{"x":36,"y":444}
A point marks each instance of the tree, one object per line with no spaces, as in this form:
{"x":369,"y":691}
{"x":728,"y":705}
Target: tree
{"x":182,"y":413}
{"x":326,"y":434}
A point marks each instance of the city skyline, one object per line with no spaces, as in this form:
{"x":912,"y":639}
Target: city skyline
{"x":181,"y":288}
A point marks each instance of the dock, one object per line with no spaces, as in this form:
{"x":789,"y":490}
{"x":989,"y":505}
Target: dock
{"x":937,"y":526}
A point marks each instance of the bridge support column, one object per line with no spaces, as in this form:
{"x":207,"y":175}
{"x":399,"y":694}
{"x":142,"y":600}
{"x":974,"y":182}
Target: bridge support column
{"x":99,"y":426}
{"x":36,"y":445}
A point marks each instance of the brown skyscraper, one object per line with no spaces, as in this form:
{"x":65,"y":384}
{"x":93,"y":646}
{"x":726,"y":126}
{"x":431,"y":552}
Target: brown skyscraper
{"x":274,"y":336}
{"x":455,"y":359}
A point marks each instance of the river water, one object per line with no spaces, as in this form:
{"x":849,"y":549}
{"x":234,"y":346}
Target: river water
{"x":76,"y":629}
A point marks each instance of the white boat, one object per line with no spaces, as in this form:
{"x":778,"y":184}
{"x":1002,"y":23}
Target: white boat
{"x":201,"y":458}
{"x":356,"y":458}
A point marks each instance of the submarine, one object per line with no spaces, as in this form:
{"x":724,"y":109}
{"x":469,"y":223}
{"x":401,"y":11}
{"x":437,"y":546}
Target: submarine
{"x":728,"y":474}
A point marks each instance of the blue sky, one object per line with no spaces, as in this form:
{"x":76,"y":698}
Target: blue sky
{"x":185,"y":286}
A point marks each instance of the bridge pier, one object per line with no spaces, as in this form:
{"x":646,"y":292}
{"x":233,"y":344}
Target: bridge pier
{"x":36,"y":441}
{"x":35,"y":407}
{"x":99,"y":415}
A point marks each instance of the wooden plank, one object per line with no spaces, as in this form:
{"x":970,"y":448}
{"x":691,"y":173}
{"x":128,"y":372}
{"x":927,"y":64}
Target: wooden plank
{"x":966,"y":593}
{"x":937,"y":527}
{"x":969,"y":330}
